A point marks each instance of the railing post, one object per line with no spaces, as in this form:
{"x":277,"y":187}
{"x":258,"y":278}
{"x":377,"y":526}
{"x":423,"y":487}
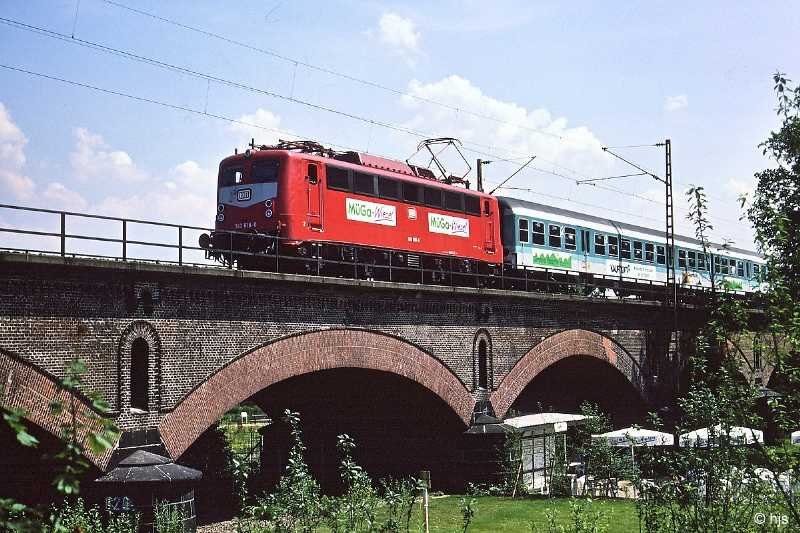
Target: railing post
{"x":124,"y":240}
{"x":63,"y":234}
{"x":230,"y":250}
{"x":180,"y":245}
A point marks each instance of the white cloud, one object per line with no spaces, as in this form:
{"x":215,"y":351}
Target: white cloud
{"x":57,"y":196}
{"x":262,"y":125}
{"x":12,"y":158}
{"x":675,"y":103}
{"x":94,"y":159}
{"x":516,"y":130}
{"x":399,"y":33}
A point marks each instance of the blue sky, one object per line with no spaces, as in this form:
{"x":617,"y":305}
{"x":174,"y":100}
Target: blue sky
{"x":560,"y":79}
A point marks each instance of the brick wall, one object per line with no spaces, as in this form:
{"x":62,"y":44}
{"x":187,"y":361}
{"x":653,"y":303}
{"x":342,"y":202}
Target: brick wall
{"x":197,"y":321}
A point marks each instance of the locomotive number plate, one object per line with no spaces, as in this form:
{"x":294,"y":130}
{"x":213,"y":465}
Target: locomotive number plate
{"x":244,"y":195}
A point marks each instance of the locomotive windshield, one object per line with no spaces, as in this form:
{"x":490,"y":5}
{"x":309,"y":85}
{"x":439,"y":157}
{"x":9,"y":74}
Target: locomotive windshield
{"x":264,"y":171}
{"x":261,"y":171}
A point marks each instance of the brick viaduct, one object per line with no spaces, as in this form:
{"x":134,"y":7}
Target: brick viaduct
{"x":216,"y":337}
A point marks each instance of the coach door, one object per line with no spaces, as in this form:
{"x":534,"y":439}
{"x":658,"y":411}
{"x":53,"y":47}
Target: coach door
{"x":314,"y":195}
{"x":488,"y":241}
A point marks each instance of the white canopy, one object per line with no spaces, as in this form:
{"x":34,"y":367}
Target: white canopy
{"x":544,"y":422}
{"x":738,"y":435}
{"x":636,"y":437}
{"x":796,"y":437}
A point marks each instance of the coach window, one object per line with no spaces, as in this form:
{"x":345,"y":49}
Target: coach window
{"x":613,"y":246}
{"x":453,"y":201}
{"x":661,"y":255}
{"x":433,"y":197}
{"x":692,"y":260}
{"x":140,"y":361}
{"x":599,"y":244}
{"x":569,"y":238}
{"x":701,"y":261}
{"x":472,"y":205}
{"x":364,"y":183}
{"x":337,"y":178}
{"x":649,"y":252}
{"x":388,"y":188}
{"x":637,"y":250}
{"x":538,"y":233}
{"x":523,"y":230}
{"x":757,"y":272}
{"x":681,"y":258}
{"x":747,"y":269}
{"x":740,"y":269}
{"x":555,"y":236}
{"x":411,"y":193}
{"x":625,"y":248}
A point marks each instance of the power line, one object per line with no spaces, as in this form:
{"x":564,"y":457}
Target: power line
{"x":224,"y":81}
{"x":329,"y":71}
{"x":226,"y":118}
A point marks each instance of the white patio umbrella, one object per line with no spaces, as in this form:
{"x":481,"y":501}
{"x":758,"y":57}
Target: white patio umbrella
{"x":796,"y":437}
{"x":636,"y":437}
{"x":632,"y":437}
{"x":704,"y":437}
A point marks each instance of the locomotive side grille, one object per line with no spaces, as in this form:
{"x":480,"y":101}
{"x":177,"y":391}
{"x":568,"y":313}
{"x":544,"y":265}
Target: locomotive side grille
{"x":413,"y":260}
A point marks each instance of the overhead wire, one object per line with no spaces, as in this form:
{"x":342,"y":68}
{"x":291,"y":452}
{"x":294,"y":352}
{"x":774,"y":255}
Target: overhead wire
{"x":238,"y":85}
{"x":329,"y":71}
{"x":216,"y":116}
{"x":223,"y":81}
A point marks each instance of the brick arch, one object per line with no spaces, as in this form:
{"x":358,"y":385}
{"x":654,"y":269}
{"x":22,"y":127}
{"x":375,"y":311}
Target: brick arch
{"x":303,"y":354}
{"x":555,"y":348}
{"x":31,"y":390}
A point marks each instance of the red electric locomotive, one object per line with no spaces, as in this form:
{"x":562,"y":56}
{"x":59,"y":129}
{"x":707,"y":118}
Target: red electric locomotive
{"x":348,"y":207}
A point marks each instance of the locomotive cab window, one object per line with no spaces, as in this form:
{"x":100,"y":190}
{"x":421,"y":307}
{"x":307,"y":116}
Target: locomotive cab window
{"x":625,"y":249}
{"x":569,"y":238}
{"x":388,"y":188}
{"x":472,"y":204}
{"x":266,"y":171}
{"x":311,"y":174}
{"x":452,"y":201}
{"x":523,"y":230}
{"x":599,"y":244}
{"x":337,"y":178}
{"x":613,"y":246}
{"x":661,"y":255}
{"x":231,"y":176}
{"x":649,"y":252}
{"x":637,"y":250}
{"x":538,"y":233}
{"x":433,"y":197}
{"x":411,"y":193}
{"x":364,"y":183}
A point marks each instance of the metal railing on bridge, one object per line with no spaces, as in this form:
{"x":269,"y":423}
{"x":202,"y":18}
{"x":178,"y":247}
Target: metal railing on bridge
{"x":71,"y":234}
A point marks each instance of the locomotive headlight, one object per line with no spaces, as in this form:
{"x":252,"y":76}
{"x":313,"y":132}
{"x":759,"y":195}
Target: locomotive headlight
{"x":220,"y":218}
{"x":220,"y":208}
{"x":268,"y":203}
{"x":268,"y":213}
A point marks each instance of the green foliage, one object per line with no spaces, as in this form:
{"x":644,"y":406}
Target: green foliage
{"x":355,"y":510}
{"x":169,"y":518}
{"x":605,"y":463}
{"x":73,"y":515}
{"x":583,"y":518}
{"x":467,"y":506}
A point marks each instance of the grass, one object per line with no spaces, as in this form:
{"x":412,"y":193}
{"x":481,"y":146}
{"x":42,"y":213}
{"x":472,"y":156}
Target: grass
{"x":499,"y":514}
{"x":242,"y":438}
